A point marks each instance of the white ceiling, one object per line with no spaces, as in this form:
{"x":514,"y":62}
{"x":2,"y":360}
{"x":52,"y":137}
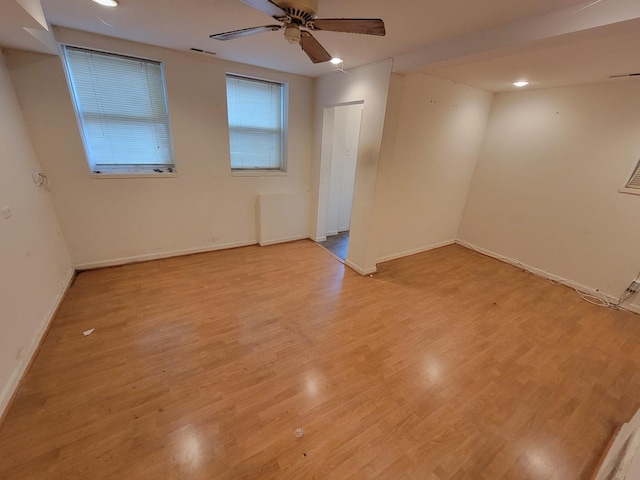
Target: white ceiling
{"x":588,"y":56}
{"x":486,"y":44}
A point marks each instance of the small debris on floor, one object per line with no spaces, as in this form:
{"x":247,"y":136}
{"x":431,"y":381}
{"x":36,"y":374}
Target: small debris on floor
{"x":299,"y":432}
{"x":86,"y":333}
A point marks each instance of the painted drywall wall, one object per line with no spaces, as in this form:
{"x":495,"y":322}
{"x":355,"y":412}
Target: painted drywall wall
{"x":545,"y":191}
{"x":35,"y":268}
{"x":280,"y":217}
{"x":432,"y":139}
{"x":346,"y":134}
{"x":368,"y":84}
{"x":109,"y":221}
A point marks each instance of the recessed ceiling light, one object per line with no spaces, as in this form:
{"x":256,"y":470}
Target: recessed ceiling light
{"x":520,"y":84}
{"x":336,"y":61}
{"x":107,"y":3}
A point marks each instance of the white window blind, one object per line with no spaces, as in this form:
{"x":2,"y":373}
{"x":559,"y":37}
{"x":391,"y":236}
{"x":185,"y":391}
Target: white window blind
{"x":634,"y":181}
{"x":257,"y":123}
{"x":122,"y":110}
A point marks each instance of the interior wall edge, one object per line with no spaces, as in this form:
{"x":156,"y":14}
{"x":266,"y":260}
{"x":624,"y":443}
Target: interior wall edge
{"x":360,"y":270}
{"x":12,"y":387}
{"x":547,"y":275}
{"x":415,"y":251}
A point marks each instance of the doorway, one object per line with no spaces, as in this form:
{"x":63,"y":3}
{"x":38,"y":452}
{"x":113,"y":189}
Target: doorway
{"x":342,"y":153}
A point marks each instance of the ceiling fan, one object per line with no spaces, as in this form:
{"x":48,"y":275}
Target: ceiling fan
{"x":297,"y":17}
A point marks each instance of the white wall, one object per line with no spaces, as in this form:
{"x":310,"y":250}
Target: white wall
{"x":108,"y":221}
{"x":283,"y":217}
{"x":346,"y":134}
{"x":34,"y":265}
{"x":369,"y":84}
{"x":546,"y":188}
{"x":431,"y":142}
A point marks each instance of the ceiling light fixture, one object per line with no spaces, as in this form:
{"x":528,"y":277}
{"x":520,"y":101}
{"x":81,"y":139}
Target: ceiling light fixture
{"x":520,"y":84}
{"x":336,"y":61}
{"x":106,"y":3}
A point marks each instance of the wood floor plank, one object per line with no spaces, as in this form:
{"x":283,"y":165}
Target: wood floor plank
{"x":444,"y":365}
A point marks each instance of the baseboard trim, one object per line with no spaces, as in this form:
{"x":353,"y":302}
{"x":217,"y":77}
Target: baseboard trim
{"x":284,"y":240}
{"x":415,"y":251}
{"x":631,"y":308}
{"x":359,"y":270}
{"x":10,"y":391}
{"x":157,"y":256}
{"x":319,"y":239}
{"x":544,"y":274}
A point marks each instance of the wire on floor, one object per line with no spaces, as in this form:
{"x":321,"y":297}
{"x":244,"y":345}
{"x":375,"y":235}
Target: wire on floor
{"x":593,"y":297}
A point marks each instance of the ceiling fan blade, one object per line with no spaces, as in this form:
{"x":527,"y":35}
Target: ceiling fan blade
{"x":266,"y":6}
{"x":245,"y":32}
{"x":312,"y":47}
{"x":367,"y":26}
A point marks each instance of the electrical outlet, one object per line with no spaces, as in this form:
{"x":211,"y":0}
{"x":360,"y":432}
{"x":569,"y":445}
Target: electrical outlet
{"x":6,"y":212}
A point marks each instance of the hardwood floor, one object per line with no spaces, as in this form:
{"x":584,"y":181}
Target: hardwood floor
{"x":445,"y":365}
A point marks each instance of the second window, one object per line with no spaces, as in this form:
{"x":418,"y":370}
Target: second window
{"x":257,"y":123}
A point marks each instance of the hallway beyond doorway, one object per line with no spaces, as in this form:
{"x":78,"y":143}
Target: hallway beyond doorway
{"x":337,"y":244}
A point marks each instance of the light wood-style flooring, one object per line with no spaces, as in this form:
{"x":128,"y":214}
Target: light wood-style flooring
{"x":444,"y":365}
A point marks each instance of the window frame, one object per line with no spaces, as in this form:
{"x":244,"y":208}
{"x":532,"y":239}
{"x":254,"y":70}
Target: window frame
{"x":284,"y":129}
{"x":130,"y":170}
{"x":633,"y":178}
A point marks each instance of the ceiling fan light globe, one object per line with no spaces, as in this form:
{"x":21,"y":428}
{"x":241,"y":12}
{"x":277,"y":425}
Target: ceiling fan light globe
{"x":292,"y":34}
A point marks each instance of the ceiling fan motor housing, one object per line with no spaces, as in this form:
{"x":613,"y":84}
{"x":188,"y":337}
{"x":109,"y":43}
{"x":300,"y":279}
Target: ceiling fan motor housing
{"x":300,"y":11}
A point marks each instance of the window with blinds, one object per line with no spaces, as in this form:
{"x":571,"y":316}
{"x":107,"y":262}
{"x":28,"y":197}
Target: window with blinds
{"x":257,"y":123}
{"x":122,"y":111}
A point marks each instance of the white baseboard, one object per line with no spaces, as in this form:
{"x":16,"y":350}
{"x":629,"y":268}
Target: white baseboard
{"x":156,"y":256}
{"x":284,"y":240}
{"x":332,"y":233}
{"x":631,"y":308}
{"x":415,"y":251}
{"x":319,"y":239}
{"x":19,"y":371}
{"x":543,"y":273}
{"x":359,"y":270}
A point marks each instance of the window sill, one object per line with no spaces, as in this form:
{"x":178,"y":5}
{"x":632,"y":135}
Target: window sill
{"x":134,"y":171}
{"x":258,"y":173}
{"x":134,"y":175}
{"x":632,"y":191}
